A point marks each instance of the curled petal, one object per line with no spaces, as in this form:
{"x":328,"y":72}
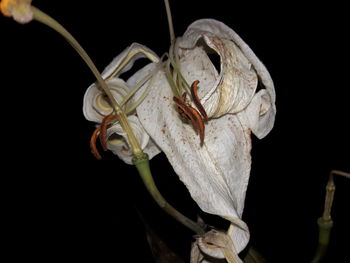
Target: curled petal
{"x":196,"y":65}
{"x":215,"y":243}
{"x":216,"y":174}
{"x":259,"y":116}
{"x":236,"y":59}
{"x":93,"y":146}
{"x":219,"y":29}
{"x":236,"y":85}
{"x":103,"y":129}
{"x":96,"y":104}
{"x":118,"y":142}
{"x":125,"y":60}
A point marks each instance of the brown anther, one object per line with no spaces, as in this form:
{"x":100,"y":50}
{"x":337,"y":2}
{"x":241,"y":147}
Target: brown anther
{"x":192,"y":114}
{"x":93,"y":147}
{"x":103,"y":129}
{"x":196,"y":100}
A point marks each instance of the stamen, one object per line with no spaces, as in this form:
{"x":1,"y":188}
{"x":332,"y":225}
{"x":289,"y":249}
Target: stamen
{"x":193,"y":115}
{"x":93,"y":147}
{"x":197,"y":102}
{"x":129,"y":56}
{"x":103,"y":129}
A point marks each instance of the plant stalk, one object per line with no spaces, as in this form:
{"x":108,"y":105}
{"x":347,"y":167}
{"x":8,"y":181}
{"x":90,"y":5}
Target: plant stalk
{"x":325,"y":223}
{"x":142,"y":165}
{"x":49,"y":21}
{"x":170,"y":21}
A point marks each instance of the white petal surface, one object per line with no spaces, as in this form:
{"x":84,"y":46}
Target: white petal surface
{"x":120,"y":146}
{"x":196,"y":65}
{"x":259,"y":116}
{"x":121,"y":63}
{"x":217,"y":173}
{"x":235,"y":87}
{"x":213,"y":29}
{"x":96,"y":106}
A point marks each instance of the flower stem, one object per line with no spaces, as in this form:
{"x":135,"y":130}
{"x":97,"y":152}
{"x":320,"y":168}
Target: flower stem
{"x":325,"y":223}
{"x":49,"y":21}
{"x":170,"y":21}
{"x":142,"y":165}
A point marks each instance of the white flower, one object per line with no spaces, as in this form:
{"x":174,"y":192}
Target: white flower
{"x":215,"y":172}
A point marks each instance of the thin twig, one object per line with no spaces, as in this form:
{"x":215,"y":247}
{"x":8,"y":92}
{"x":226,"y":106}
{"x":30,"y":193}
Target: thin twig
{"x":170,"y":21}
{"x":325,"y":223}
{"x":49,"y":21}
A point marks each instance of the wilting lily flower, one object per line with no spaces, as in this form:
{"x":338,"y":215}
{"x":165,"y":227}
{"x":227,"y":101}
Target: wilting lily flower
{"x":216,"y":170}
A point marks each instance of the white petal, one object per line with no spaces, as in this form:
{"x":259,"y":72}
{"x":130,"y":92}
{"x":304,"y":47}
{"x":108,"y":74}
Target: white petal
{"x":121,"y":63}
{"x":196,"y":254}
{"x":237,"y":82}
{"x":120,"y":146}
{"x":196,"y":65}
{"x":217,"y":173}
{"x":215,"y":243}
{"x":259,"y":116}
{"x":211,"y":28}
{"x":96,"y":106}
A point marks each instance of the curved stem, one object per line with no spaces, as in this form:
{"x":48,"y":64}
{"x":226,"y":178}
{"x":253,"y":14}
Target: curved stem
{"x":325,"y":223}
{"x":142,"y":165}
{"x":49,"y":21}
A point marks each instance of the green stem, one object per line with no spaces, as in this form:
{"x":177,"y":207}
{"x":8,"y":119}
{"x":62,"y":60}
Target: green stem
{"x":325,"y":223}
{"x":142,"y":165}
{"x":325,"y":228}
{"x":49,"y":21}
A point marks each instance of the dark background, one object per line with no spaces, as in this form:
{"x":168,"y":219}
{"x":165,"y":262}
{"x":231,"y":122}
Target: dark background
{"x":61,"y":203}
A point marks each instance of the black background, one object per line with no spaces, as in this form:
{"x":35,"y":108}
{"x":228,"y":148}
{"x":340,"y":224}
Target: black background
{"x":61,"y":203}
